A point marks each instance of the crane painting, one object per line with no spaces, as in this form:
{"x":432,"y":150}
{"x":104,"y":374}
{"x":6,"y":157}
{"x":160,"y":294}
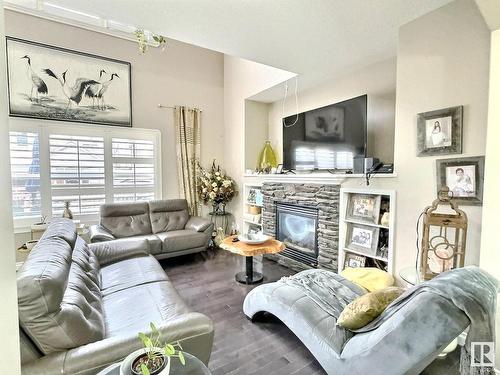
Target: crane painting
{"x":54,"y":83}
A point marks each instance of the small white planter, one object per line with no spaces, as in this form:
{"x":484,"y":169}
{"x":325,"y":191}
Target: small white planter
{"x":125,"y":367}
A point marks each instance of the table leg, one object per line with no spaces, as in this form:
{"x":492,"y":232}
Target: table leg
{"x":249,"y":276}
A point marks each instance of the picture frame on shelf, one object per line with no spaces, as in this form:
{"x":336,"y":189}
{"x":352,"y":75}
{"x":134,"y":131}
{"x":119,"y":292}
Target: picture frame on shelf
{"x":464,"y":177}
{"x":252,"y":196}
{"x":279,"y":169}
{"x":362,"y":238}
{"x":364,"y":208}
{"x":354,"y":261}
{"x":440,"y":132}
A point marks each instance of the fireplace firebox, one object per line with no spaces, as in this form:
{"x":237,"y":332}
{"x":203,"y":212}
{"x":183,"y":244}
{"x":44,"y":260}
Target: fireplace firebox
{"x":296,"y":227}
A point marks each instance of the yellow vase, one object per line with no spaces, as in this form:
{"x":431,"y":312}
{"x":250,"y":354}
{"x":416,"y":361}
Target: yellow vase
{"x":267,"y":158}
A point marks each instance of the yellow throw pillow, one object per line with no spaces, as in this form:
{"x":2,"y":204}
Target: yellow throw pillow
{"x":370,"y":278}
{"x":364,"y":309}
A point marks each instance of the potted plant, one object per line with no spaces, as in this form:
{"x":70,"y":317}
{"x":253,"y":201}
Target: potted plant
{"x":215,"y":187}
{"x":154,"y":358}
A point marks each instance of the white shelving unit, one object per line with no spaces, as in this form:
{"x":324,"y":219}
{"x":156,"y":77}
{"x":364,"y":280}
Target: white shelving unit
{"x":251,"y":221}
{"x":345,"y":222}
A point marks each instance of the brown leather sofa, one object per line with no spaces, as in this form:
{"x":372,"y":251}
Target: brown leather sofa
{"x":81,"y":306}
{"x":165,"y":224}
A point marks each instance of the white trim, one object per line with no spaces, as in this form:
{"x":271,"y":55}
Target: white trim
{"x":46,"y":128}
{"x":312,"y":177}
{"x":39,"y":13}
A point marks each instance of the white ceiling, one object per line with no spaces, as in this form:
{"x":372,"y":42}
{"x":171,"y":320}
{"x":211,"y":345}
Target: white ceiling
{"x":318,"y":39}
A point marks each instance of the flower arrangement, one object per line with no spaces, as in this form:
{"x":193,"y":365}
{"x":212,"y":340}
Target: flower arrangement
{"x":215,"y":187}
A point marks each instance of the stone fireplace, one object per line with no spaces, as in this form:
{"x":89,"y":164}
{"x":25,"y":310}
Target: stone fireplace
{"x":308,"y":215}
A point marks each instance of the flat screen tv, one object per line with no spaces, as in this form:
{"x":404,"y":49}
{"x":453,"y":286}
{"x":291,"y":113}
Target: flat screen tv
{"x":326,"y":138}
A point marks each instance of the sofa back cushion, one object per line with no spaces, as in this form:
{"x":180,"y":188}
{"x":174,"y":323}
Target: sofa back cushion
{"x":126,"y":219}
{"x":168,"y":214}
{"x":59,"y":298}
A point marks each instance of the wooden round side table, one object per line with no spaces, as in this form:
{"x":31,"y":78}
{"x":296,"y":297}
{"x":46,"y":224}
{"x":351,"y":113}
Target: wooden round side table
{"x":248,"y":276}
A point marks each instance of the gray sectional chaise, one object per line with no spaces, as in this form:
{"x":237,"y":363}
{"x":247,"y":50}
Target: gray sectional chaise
{"x":405,"y":342}
{"x":165,"y":224}
{"x":81,"y":306}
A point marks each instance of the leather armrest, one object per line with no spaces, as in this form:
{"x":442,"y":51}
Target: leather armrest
{"x":114,"y":251}
{"x":198,"y":224}
{"x":99,"y":234}
{"x":193,"y":330}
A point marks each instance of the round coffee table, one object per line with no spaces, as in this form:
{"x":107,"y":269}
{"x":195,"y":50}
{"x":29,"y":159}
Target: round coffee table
{"x":193,"y":367}
{"x":248,"y":276}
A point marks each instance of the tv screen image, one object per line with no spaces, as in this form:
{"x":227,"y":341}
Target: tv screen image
{"x":324,"y":138}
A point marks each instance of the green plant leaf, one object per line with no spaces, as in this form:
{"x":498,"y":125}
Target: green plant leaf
{"x":169,"y":349}
{"x":144,"y":369}
{"x":182,"y":360}
{"x":153,"y":327}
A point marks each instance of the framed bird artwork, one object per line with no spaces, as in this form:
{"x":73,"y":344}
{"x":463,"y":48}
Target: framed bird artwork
{"x":53,"y":83}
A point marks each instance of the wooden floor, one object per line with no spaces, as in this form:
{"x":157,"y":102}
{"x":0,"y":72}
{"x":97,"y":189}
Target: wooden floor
{"x":206,"y":282}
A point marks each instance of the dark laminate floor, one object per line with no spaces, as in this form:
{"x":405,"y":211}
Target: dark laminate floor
{"x":206,"y":282}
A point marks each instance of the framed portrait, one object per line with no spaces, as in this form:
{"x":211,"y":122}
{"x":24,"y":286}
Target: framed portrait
{"x":325,"y":124}
{"x":464,"y":177}
{"x":53,"y":83}
{"x":362,"y":238}
{"x":440,"y":132}
{"x":354,"y":261}
{"x":363,"y":207}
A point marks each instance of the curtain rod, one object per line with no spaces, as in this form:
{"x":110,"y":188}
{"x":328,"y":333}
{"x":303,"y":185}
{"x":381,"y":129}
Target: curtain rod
{"x":170,"y":107}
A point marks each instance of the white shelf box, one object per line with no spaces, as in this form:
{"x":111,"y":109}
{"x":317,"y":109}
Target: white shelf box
{"x":347,"y":223}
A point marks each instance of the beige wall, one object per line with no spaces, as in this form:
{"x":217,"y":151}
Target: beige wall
{"x":377,"y":80}
{"x":443,"y":61}
{"x":242,"y":79}
{"x":256,"y":131}
{"x":182,"y":75}
{"x":490,"y":255}
{"x":9,"y":346}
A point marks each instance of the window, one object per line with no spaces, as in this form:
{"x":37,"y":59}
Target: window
{"x":77,"y":173}
{"x":133,"y":169}
{"x":81,"y":164}
{"x":25,"y":170}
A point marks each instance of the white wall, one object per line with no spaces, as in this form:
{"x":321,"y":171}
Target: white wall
{"x":377,"y":80}
{"x":490,"y":254}
{"x":9,"y":346}
{"x":256,"y":131}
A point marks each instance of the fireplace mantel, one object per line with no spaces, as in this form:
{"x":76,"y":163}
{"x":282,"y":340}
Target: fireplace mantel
{"x":310,"y":178}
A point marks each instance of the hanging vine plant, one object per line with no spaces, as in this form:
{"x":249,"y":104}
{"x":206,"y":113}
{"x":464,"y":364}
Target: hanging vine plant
{"x":142,"y":40}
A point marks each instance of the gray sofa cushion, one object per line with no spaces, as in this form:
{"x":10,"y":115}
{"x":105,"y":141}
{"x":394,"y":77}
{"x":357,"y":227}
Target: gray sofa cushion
{"x":129,"y":273}
{"x":127,"y":311}
{"x":176,"y":240}
{"x":59,"y":301}
{"x":126,"y":219}
{"x":167,"y":215}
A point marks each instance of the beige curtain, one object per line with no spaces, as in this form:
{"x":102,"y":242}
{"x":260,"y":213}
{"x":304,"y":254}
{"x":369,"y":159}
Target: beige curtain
{"x":187,"y":139}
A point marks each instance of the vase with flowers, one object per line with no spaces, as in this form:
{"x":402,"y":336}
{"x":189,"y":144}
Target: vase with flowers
{"x":215,"y":187}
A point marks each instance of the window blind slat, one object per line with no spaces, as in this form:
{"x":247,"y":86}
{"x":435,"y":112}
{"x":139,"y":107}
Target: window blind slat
{"x":77,"y":163}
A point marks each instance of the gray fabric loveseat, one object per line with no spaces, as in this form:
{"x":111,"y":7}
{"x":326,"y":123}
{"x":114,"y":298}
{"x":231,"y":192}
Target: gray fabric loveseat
{"x":165,"y":224}
{"x":81,"y":306}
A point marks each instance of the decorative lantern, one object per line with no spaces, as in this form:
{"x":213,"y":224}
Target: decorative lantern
{"x":443,"y":237}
